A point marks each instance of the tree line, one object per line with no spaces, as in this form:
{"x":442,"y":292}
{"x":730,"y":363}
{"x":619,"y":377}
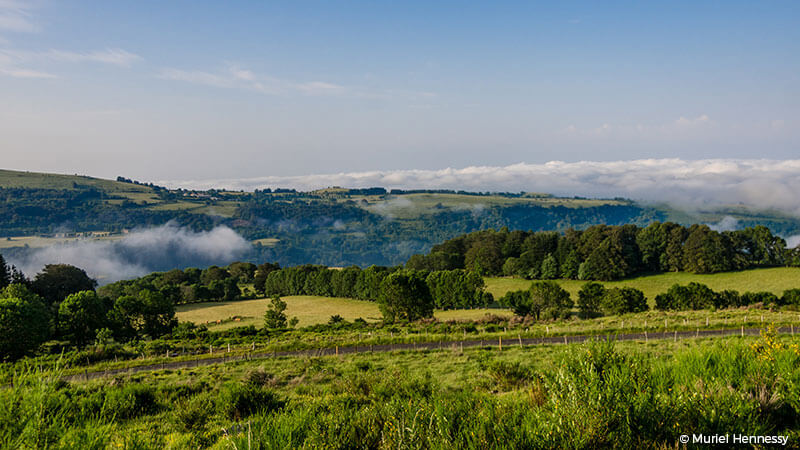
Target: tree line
{"x":604,"y":252}
{"x":448,"y":289}
{"x":190,"y":285}
{"x":546,"y":300}
{"x":61,"y":303}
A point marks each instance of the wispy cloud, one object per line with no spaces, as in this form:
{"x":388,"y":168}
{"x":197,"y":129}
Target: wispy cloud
{"x":682,"y":126}
{"x":16,"y":16}
{"x":18,"y":63}
{"x":235,"y":77}
{"x":759,"y":184}
{"x":113,"y":56}
{"x":24,"y":73}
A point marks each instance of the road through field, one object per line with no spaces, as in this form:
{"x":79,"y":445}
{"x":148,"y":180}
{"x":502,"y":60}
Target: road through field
{"x":440,"y":345}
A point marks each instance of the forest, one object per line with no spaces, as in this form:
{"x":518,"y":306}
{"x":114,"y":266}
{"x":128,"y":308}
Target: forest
{"x":604,"y":252}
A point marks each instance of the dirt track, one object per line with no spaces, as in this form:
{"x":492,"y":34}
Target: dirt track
{"x":419,"y":346}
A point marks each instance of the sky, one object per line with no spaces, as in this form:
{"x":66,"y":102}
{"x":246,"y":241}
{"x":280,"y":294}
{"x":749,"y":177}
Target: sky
{"x":235,"y":90}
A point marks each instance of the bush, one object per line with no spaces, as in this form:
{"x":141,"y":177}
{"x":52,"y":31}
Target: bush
{"x":623,"y":300}
{"x":589,"y":298}
{"x":508,"y":375}
{"x":237,"y":401}
{"x":791,"y":297}
{"x":765,"y":298}
{"x":130,"y":401}
{"x":192,"y":415}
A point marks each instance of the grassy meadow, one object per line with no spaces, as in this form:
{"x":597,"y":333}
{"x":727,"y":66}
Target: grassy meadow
{"x":775,"y":280}
{"x":595,"y":395}
{"x":309,"y":310}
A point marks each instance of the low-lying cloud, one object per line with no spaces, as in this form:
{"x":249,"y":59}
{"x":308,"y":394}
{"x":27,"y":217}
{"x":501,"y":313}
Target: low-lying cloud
{"x":140,"y":252}
{"x":761,"y":184}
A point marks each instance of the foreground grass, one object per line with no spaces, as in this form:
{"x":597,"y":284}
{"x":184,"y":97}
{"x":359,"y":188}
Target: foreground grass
{"x":245,"y":341}
{"x":628,"y":395}
{"x":775,"y":280}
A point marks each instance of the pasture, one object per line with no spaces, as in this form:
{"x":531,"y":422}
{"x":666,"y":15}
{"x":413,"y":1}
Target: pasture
{"x":775,"y":280}
{"x":309,"y":310}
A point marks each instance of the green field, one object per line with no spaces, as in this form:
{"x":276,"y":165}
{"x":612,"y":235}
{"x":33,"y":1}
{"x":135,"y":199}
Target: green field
{"x":39,"y":241}
{"x":35,"y":180}
{"x":774,"y":280}
{"x":308,"y":309}
{"x":410,"y":206}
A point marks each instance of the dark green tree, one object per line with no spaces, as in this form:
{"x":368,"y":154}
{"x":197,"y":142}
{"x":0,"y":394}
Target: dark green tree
{"x":275,"y":317}
{"x":548,"y":300}
{"x":623,"y":300}
{"x":147,"y":313}
{"x":243,"y":271}
{"x":404,"y":296}
{"x":80,"y":315}
{"x":5,"y":273}
{"x":590,"y":298}
{"x":24,"y":322}
{"x":260,"y":276}
{"x":485,"y":258}
{"x":706,"y":251}
{"x":518,"y":301}
{"x":549,"y":269}
{"x":56,"y":281}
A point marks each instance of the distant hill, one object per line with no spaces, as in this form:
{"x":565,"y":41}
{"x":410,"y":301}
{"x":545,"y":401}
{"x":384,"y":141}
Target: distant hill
{"x":337,"y":226}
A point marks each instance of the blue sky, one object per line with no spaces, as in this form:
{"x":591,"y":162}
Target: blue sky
{"x":204,"y":89}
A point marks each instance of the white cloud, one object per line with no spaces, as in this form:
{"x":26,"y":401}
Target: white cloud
{"x":140,"y":252}
{"x":727,"y":223}
{"x":761,"y":184}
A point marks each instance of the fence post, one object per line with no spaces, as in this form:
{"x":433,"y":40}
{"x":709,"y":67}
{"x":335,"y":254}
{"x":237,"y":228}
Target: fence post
{"x":500,"y":342}
{"x":675,"y":338}
{"x":519,"y":336}
{"x":742,"y":330}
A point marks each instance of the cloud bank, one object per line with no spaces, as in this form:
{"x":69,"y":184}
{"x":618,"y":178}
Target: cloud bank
{"x":761,"y":184}
{"x":140,"y":252}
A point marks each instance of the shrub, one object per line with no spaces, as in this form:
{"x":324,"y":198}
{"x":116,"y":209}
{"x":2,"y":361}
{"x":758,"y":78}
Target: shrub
{"x":791,"y":297}
{"x":130,"y":401}
{"x":192,"y":415}
{"x":589,"y":298}
{"x":237,"y":401}
{"x":508,"y":375}
{"x":623,"y":300}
